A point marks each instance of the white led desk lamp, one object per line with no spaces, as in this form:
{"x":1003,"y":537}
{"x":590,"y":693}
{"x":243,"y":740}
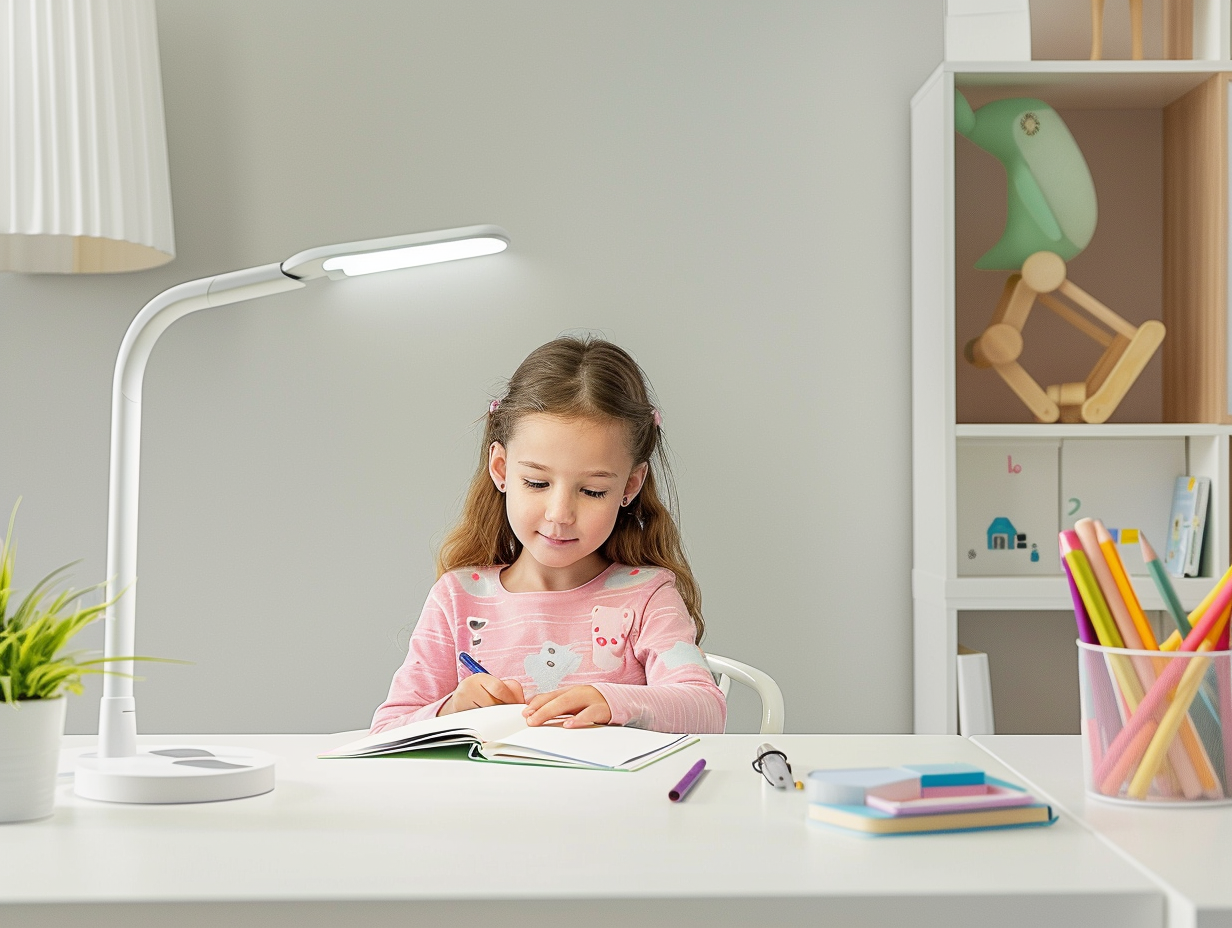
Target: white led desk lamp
{"x":119,"y":772}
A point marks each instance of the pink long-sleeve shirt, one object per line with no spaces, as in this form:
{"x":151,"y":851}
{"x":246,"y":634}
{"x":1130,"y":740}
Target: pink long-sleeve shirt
{"x":627,"y":633}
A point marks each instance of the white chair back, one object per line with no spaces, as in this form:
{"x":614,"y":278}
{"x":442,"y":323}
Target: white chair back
{"x":772,"y":709}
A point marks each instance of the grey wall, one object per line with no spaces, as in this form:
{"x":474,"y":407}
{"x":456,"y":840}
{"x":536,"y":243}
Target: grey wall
{"x":721,"y":187}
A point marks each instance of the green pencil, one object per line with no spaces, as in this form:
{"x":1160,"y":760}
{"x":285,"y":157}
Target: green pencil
{"x":1164,"y":585}
{"x":1210,"y":725}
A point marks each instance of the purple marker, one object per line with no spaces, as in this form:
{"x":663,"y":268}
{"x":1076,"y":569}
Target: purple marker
{"x":1086,"y":631}
{"x":681,"y":789}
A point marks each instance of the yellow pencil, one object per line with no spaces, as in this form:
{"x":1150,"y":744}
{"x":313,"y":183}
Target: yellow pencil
{"x":1121,"y":579}
{"x":1197,"y":612}
{"x":1162,"y":740}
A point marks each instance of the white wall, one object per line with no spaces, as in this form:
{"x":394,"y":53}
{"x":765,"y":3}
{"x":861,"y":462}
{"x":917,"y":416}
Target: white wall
{"x":721,"y":187}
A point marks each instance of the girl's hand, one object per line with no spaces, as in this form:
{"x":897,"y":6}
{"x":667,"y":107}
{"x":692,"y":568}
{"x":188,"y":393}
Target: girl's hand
{"x":482,"y":689}
{"x":585,"y":704}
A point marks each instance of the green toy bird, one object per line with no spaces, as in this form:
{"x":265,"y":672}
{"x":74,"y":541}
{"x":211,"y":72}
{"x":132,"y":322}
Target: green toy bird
{"x":1051,"y":197}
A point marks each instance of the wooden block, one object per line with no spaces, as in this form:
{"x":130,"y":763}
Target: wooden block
{"x":1018,"y":306}
{"x":1067,"y":394}
{"x":1071,"y":414}
{"x":1030,"y":392}
{"x":1076,"y":319}
{"x":1003,"y":304}
{"x":1103,"y":367}
{"x":1044,"y":272}
{"x":1097,"y":309}
{"x":1000,"y":344}
{"x":1122,"y":376}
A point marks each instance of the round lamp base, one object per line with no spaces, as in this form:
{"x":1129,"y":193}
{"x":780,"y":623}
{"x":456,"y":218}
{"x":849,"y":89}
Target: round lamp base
{"x":171,"y":773}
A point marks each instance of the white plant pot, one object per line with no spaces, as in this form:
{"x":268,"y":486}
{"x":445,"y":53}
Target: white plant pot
{"x":30,"y":733}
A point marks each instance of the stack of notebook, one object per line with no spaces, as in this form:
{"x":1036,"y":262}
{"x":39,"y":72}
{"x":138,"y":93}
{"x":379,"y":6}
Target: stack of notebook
{"x":920,"y":798}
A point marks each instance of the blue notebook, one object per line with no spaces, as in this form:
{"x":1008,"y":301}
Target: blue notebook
{"x":869,"y":821}
{"x":1183,"y":551}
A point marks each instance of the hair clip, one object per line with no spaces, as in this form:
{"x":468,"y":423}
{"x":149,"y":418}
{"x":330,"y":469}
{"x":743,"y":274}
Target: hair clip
{"x":658,"y":417}
{"x":493,"y":406}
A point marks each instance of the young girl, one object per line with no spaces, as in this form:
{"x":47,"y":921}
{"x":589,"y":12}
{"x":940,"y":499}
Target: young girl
{"x":565,"y":577}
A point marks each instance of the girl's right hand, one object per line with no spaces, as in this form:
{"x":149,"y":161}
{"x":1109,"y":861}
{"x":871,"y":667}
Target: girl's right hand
{"x":482,"y":689}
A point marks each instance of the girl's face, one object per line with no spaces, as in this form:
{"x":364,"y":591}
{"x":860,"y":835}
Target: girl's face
{"x":564,"y":480}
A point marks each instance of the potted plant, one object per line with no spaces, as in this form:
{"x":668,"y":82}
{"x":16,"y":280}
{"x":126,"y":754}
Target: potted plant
{"x":35,"y":674}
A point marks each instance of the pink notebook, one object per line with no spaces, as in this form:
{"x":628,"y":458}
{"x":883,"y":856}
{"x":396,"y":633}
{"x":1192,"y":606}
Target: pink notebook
{"x":942,"y":799}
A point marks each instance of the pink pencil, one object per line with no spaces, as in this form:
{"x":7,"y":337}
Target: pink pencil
{"x":1223,"y":674}
{"x":1163,"y":685}
{"x":1085,"y":528}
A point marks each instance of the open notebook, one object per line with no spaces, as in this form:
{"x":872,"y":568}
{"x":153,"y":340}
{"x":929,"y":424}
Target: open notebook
{"x":499,"y":733}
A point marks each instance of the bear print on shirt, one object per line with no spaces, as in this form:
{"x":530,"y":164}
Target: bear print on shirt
{"x":609,"y":635}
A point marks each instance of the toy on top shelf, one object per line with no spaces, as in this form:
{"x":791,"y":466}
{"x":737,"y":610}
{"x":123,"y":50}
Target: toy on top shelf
{"x":1050,"y":218}
{"x":1097,"y":28}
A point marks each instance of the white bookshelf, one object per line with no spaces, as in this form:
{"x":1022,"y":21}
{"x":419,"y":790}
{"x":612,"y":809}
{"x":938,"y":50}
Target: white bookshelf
{"x":939,"y":592}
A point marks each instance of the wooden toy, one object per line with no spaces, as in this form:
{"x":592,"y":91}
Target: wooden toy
{"x":1097,"y":29}
{"x":1051,"y":216}
{"x":1127,"y":348}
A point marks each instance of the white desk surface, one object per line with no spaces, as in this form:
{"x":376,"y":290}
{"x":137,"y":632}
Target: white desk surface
{"x":462,"y":842}
{"x":1189,"y":850}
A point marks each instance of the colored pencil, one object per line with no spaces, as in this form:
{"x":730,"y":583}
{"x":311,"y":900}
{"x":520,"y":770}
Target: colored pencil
{"x":1124,"y":587}
{"x":1208,"y":624}
{"x":1086,"y":631}
{"x":1170,"y":725}
{"x":1223,"y":677}
{"x":1192,"y":745}
{"x":1088,"y":587}
{"x":1166,"y":590}
{"x":1206,"y":716}
{"x":1198,"y":611}
{"x":1106,"y":564}
{"x":1085,"y":529}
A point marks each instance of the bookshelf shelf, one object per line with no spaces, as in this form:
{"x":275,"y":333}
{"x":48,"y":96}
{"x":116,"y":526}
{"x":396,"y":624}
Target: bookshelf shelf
{"x":995,"y":594}
{"x":1176,"y":131}
{"x":1084,"y":84}
{"x":1018,"y":430}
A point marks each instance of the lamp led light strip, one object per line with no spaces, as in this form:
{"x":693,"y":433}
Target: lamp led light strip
{"x":119,"y":771}
{"x":414,"y":256}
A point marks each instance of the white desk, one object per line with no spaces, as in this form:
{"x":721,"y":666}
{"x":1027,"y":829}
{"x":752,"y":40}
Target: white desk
{"x":390,"y":842}
{"x":1187,"y":850}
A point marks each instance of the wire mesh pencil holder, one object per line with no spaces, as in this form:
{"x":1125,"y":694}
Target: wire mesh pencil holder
{"x":1156,"y":725}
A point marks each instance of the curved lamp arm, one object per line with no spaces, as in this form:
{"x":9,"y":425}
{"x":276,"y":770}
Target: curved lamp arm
{"x":117,"y":723}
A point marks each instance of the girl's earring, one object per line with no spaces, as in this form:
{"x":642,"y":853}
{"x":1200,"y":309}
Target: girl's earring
{"x":625,"y":501}
{"x":502,"y":488}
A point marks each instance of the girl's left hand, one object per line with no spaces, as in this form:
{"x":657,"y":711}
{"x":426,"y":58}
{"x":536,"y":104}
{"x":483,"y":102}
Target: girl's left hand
{"x":585,"y":704}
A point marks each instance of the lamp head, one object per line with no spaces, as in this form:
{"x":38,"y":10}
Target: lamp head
{"x":396,"y":251}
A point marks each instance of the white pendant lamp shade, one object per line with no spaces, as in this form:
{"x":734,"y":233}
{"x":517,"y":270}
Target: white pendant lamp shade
{"x":84,"y":185}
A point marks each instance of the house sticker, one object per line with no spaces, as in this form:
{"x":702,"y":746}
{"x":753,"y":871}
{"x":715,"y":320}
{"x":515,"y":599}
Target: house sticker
{"x":1002,"y":536}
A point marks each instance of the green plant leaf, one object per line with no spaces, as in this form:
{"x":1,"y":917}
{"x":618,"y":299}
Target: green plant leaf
{"x":33,"y":660}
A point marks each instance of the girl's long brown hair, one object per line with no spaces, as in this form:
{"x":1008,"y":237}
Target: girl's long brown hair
{"x":580,"y":378}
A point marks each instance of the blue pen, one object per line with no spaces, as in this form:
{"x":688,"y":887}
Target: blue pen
{"x":470,"y":663}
